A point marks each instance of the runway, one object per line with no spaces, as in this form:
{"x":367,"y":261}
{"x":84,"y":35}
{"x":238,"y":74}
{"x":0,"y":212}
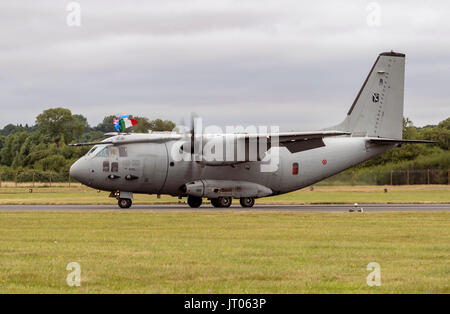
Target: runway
{"x":280,"y":208}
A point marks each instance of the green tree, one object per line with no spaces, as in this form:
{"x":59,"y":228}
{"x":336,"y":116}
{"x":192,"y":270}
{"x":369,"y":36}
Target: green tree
{"x":409,"y":130}
{"x":56,"y":123}
{"x":11,"y":147}
{"x":55,"y":163}
{"x":437,"y":134}
{"x":445,"y":124}
{"x":107,"y":125}
{"x":162,"y":125}
{"x":143,"y":126}
{"x":83,"y":120}
{"x":11,"y":128}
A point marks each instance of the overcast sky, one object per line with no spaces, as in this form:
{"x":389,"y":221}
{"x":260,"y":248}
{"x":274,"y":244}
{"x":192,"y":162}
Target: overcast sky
{"x":297,"y":64}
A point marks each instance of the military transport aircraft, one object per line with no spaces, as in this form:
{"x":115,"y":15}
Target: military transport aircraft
{"x":150,"y":163}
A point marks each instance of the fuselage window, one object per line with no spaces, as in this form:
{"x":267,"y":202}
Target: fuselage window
{"x":106,"y":166}
{"x":114,"y":167}
{"x":295,"y":168}
{"x":123,"y":152}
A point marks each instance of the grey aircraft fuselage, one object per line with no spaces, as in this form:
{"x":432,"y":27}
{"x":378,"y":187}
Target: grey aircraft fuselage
{"x":143,"y":163}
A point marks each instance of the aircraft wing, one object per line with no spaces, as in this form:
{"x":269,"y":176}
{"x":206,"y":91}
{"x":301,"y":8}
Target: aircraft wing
{"x":136,"y":138}
{"x":287,"y":136}
{"x":298,"y":141}
{"x":90,"y":143}
{"x":293,"y":141}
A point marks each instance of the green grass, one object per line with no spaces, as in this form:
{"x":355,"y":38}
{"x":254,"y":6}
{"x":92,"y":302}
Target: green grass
{"x":224,"y":252}
{"x":78,"y":194}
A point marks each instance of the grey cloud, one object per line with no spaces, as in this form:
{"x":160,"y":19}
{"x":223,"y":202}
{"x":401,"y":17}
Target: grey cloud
{"x":294,"y":63}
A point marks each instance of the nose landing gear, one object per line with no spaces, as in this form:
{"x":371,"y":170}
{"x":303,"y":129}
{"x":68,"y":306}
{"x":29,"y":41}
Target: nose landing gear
{"x":125,"y":202}
{"x":124,"y":199}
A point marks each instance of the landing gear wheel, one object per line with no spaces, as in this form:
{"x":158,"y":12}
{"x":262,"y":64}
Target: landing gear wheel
{"x":194,"y":201}
{"x":247,"y":201}
{"x":224,"y":202}
{"x":125,"y":203}
{"x":215,"y":202}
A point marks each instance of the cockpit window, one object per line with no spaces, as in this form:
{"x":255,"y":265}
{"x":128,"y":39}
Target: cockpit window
{"x":93,"y":149}
{"x":104,"y":152}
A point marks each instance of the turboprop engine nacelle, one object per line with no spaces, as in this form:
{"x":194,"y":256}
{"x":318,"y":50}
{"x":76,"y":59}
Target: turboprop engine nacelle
{"x":222,"y":188}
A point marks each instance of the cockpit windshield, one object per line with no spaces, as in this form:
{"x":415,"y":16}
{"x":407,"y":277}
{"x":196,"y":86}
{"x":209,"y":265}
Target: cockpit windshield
{"x":99,"y":151}
{"x":93,"y":150}
{"x":104,"y":152}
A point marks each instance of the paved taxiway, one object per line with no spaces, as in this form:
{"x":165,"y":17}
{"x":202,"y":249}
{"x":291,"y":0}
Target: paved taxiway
{"x":294,"y":208}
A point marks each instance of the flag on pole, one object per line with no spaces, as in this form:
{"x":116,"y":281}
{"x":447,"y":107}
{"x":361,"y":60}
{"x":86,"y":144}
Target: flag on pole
{"x":124,"y":122}
{"x":116,"y":124}
{"x":127,"y":122}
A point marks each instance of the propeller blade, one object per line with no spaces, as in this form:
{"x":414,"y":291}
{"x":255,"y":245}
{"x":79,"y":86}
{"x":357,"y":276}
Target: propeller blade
{"x":196,"y":135}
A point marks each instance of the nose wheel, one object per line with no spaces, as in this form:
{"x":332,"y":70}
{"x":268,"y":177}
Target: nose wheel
{"x":125,"y":203}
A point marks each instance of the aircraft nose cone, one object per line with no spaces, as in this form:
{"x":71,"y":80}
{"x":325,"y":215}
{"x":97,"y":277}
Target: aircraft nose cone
{"x":77,"y":170}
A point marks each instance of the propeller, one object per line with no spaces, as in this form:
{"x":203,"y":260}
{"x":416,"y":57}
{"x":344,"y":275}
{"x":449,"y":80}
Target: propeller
{"x":193,"y":136}
{"x":196,"y":136}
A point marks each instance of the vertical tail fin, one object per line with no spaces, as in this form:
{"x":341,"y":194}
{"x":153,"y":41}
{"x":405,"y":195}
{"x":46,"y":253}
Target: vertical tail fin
{"x":378,"y":108}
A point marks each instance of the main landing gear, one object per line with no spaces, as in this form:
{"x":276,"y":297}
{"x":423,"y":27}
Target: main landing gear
{"x":194,"y":201}
{"x":247,"y":202}
{"x":220,"y":202}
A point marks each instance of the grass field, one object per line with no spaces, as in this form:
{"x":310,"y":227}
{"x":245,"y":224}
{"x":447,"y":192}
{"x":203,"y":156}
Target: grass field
{"x":78,"y":194}
{"x":224,"y":252}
